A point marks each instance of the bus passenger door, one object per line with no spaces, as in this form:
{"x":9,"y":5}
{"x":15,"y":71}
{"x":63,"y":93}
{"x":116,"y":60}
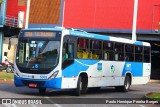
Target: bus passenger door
{"x":68,"y":52}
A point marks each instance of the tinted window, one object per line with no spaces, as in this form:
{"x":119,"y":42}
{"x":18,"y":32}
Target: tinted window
{"x":108,"y":51}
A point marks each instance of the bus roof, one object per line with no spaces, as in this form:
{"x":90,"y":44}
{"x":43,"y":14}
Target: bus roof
{"x":81,"y":33}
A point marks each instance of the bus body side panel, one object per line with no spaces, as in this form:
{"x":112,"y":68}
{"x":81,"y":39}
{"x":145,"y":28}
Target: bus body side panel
{"x":71,"y":73}
{"x":111,"y":73}
{"x":100,"y":73}
{"x":105,"y":73}
{"x":140,"y":72}
{"x":144,"y":79}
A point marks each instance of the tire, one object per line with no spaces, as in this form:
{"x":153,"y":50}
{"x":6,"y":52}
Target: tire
{"x":126,"y":86}
{"x":81,"y":87}
{"x":42,"y":91}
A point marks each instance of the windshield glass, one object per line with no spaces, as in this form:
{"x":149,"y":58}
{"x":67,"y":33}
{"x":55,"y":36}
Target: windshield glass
{"x":38,"y":51}
{"x":37,"y":54}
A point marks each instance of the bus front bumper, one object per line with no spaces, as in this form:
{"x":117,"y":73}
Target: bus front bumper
{"x":53,"y":83}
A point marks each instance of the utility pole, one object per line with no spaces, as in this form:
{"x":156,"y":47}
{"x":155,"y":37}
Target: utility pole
{"x":134,"y":27}
{"x":27,"y":13}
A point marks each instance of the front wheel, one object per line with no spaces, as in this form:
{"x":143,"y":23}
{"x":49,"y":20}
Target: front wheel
{"x":126,"y":86}
{"x":81,"y":86}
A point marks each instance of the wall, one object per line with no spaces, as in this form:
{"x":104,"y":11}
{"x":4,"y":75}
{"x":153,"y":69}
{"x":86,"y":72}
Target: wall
{"x":14,"y":6}
{"x":111,"y":15}
{"x":95,"y":15}
{"x":44,"y":12}
{"x":10,"y":52}
{"x":98,"y":14}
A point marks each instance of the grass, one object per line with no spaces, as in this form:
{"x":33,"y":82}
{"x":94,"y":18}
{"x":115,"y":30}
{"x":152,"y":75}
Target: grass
{"x":4,"y":75}
{"x":154,"y":96}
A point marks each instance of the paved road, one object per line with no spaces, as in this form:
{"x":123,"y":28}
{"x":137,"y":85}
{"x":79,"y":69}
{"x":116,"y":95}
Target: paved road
{"x":8,"y":90}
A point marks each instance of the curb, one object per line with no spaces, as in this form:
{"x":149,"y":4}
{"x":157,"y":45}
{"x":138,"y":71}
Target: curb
{"x":6,"y":80}
{"x":154,"y":81}
{"x":146,"y":96}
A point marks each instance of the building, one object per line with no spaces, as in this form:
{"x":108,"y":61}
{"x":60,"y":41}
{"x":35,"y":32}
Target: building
{"x":12,"y":17}
{"x":108,"y":17}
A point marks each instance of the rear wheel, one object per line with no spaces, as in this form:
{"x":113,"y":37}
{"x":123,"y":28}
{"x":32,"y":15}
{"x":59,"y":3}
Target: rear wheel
{"x":126,"y":86}
{"x":42,"y":91}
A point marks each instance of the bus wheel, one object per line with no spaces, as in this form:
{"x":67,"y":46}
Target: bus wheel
{"x":42,"y":91}
{"x":126,"y":86}
{"x":81,"y":87}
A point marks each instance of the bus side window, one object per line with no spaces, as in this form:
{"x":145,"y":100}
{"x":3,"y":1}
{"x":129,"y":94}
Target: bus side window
{"x":95,"y":49}
{"x":67,"y":54}
{"x":147,"y":54}
{"x":138,"y":53}
{"x":129,"y":52}
{"x":64,"y":52}
{"x":108,"y":50}
{"x":119,"y":51}
{"x":83,"y":48}
{"x":70,"y":51}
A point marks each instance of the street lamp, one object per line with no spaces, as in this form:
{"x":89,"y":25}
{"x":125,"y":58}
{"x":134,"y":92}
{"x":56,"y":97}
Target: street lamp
{"x":135,"y":11}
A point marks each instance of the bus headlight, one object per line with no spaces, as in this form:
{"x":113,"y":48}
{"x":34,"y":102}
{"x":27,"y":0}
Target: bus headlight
{"x":54,"y":75}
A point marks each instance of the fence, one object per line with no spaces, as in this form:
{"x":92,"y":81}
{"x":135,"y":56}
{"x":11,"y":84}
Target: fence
{"x":12,"y":22}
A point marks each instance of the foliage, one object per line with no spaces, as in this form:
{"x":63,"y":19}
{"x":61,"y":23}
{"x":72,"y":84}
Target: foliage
{"x":4,"y":75}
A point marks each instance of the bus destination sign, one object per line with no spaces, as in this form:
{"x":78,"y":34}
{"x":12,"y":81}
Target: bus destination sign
{"x":39,"y":34}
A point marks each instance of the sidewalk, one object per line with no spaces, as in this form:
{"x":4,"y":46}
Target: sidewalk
{"x":6,"y":80}
{"x":154,"y":81}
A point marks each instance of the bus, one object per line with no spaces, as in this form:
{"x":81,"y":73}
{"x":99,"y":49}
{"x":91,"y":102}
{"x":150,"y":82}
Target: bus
{"x":62,"y":58}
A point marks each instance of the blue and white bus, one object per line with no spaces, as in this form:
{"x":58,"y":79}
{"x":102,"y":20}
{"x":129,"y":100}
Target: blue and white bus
{"x":62,"y":58}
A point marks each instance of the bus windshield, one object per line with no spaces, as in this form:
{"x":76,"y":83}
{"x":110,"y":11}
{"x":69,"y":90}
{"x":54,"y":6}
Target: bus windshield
{"x":38,"y":55}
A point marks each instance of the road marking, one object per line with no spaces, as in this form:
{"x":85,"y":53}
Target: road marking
{"x":33,"y":105}
{"x":142,"y":106}
{"x":10,"y":105}
{"x":52,"y":102}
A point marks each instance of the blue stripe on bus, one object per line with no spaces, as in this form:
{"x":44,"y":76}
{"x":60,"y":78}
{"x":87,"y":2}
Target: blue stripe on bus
{"x":136,"y":68}
{"x":138,"y":43}
{"x":84,"y":34}
{"x":78,"y":66}
{"x":54,"y":83}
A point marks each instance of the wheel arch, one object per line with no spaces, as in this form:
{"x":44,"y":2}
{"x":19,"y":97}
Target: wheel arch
{"x":130,"y":76}
{"x":84,"y":76}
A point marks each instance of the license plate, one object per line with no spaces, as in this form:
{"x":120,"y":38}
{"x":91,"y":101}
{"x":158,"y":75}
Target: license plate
{"x":32,"y":85}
